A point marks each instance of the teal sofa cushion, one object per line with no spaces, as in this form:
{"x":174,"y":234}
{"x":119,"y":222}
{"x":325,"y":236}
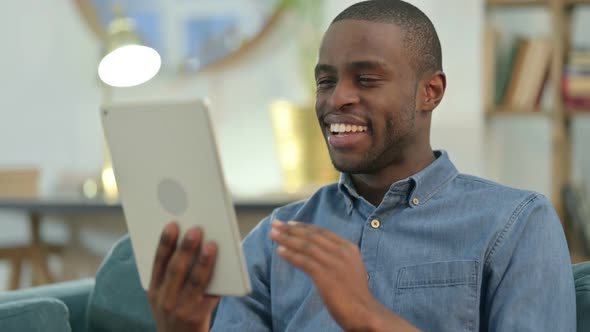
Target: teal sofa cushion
{"x":74,"y":294}
{"x":34,"y":315}
{"x":582,"y":282}
{"x":118,"y":301}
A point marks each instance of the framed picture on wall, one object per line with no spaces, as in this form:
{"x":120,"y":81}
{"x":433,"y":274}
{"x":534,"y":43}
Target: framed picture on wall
{"x":189,"y":35}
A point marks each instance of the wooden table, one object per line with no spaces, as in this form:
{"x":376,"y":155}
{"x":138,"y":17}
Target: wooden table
{"x":37,"y":251}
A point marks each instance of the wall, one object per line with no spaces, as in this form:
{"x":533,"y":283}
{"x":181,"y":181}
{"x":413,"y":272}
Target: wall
{"x":48,"y":115}
{"x":50,"y":91}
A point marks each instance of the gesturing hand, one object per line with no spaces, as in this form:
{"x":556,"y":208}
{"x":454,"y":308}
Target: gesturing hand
{"x":179,"y":279}
{"x":336,"y":267}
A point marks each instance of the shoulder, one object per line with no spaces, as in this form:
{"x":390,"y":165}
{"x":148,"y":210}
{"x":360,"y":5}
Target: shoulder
{"x":495,"y":194}
{"x":505,"y":210}
{"x":516,"y":217}
{"x":469,"y":182}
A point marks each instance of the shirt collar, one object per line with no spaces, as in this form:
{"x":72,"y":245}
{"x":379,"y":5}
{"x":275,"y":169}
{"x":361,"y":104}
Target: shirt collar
{"x":419,"y":187}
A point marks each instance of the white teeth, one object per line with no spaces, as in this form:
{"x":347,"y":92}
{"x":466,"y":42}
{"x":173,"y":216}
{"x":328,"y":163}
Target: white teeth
{"x":346,"y":128}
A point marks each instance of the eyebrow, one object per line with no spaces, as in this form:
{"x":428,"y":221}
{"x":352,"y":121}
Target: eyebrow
{"x":367,"y":65}
{"x":324,"y":68}
{"x":353,"y":66}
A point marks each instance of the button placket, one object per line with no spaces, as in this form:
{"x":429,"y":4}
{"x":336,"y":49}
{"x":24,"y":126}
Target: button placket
{"x":371,"y":236}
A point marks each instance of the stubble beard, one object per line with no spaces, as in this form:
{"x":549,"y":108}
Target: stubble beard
{"x":391,"y":152}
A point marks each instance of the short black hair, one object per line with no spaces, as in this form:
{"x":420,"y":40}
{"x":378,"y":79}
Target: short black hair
{"x":420,"y":37}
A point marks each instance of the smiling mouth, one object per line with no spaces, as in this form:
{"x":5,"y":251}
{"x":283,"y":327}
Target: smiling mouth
{"x":343,"y":129}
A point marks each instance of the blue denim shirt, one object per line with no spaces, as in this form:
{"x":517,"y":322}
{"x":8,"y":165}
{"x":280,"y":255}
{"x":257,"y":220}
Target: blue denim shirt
{"x":451,"y":252}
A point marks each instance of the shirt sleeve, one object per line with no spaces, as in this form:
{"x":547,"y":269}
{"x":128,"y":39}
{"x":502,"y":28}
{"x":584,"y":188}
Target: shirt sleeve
{"x":530,"y":285}
{"x":251,"y":312}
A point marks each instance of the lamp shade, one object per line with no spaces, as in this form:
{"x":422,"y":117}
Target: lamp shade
{"x":127,"y":62}
{"x":129,"y":65}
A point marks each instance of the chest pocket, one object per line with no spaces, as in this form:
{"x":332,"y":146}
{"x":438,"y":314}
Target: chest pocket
{"x":439,"y":296}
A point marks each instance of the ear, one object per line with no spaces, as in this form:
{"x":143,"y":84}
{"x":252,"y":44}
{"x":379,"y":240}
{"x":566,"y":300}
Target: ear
{"x":434,"y":90}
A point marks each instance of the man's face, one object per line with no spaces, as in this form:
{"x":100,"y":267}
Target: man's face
{"x":366,"y":95}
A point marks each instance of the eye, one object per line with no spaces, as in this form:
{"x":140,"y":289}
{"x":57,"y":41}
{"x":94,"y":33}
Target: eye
{"x":367,"y":81}
{"x":325,"y":83}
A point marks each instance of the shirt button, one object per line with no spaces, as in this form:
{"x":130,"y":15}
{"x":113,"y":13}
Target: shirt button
{"x":375,"y":223}
{"x":415,"y":201}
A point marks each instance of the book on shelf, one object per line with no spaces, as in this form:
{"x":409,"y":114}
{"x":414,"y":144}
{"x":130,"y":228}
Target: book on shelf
{"x":504,"y":64}
{"x":576,"y":104}
{"x":575,"y":83}
{"x":528,"y":75}
{"x":579,"y":58}
{"x":490,"y":88}
{"x":521,"y":72}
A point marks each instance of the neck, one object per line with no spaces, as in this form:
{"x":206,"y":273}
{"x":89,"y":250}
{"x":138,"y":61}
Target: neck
{"x":373,"y":187}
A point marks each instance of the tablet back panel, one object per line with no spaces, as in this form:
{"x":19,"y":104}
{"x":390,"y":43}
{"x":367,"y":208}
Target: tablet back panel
{"x":167,"y":168}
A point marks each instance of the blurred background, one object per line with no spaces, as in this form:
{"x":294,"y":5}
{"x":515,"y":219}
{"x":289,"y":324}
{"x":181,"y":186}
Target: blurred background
{"x":517,"y":109}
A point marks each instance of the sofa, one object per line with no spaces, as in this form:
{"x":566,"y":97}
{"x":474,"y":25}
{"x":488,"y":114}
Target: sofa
{"x":115,"y":301}
{"x":111,"y":301}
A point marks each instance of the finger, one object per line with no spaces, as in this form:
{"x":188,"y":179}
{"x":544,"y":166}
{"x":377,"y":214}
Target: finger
{"x":307,"y":245}
{"x":201,"y":272}
{"x":303,"y":227}
{"x":310,"y":266}
{"x":180,"y":262}
{"x":322,"y":238}
{"x":163,"y":253}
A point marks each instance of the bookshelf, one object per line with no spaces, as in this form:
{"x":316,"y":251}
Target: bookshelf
{"x":507,"y":102}
{"x":577,"y":2}
{"x":516,"y":3}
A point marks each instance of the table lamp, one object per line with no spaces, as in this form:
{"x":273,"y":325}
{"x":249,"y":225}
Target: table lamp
{"x":127,"y":62}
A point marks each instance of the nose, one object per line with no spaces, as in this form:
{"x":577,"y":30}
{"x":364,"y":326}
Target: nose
{"x":343,"y":95}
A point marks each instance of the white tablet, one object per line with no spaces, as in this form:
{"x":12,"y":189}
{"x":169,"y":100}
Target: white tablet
{"x":167,"y":168}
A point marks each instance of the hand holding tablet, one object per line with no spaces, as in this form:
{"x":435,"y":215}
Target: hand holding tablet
{"x":179,"y":278}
